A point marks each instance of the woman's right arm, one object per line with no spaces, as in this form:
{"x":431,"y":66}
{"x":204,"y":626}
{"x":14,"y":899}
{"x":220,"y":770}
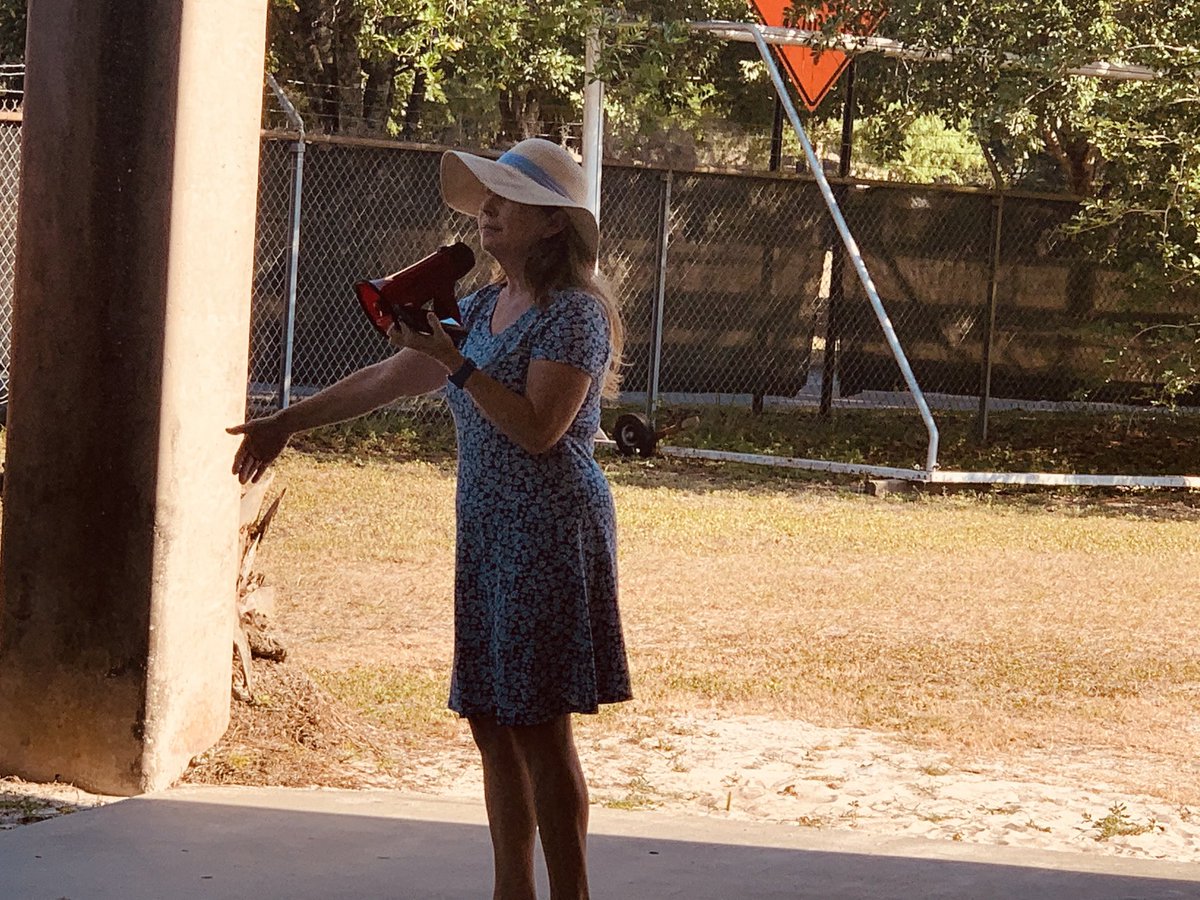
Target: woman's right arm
{"x":404,"y":374}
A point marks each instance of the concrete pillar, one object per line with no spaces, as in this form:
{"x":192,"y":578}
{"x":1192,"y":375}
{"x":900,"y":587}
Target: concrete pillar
{"x":118,"y":558}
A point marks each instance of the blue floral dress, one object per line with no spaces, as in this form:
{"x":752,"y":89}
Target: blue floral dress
{"x":537,"y":633}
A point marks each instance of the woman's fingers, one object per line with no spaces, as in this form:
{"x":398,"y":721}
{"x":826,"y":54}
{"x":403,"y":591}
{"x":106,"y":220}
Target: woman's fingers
{"x":402,"y":335}
{"x":244,"y":462}
{"x":249,"y":463}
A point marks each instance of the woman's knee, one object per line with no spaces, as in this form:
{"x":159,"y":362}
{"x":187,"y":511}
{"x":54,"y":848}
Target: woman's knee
{"x":496,"y":742}
{"x":549,"y":749}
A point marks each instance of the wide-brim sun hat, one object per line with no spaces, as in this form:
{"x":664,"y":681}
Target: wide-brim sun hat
{"x":535,"y":172}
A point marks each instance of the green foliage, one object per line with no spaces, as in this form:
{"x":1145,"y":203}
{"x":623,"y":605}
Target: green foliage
{"x":492,"y":70}
{"x":1118,"y":823}
{"x":12,"y":31}
{"x":920,"y":148}
{"x":1170,"y":352}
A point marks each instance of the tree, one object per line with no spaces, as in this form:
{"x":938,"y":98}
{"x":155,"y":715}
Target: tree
{"x":493,"y":69}
{"x":12,"y":31}
{"x":1129,"y":149}
{"x":349,"y":59}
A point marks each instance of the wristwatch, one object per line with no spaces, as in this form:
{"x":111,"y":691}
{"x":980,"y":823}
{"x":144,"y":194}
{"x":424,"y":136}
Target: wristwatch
{"x":459,"y":376}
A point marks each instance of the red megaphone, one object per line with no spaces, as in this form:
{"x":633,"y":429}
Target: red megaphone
{"x":408,"y":294}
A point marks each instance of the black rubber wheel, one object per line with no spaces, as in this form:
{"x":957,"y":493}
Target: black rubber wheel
{"x":633,"y":434}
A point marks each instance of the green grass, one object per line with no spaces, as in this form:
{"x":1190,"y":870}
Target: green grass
{"x":1155,"y":443}
{"x":404,"y":700}
{"x":1147,"y":443}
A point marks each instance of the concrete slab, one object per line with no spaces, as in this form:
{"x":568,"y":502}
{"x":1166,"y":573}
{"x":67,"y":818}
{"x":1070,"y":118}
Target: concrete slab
{"x":235,"y":843}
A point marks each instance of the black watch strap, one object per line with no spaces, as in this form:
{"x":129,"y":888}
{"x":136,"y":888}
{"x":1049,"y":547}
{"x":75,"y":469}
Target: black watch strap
{"x":459,"y":376}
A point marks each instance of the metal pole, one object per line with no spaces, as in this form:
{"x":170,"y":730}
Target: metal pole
{"x":856,"y":44}
{"x":767,"y":278}
{"x":889,"y":331}
{"x":989,"y":322}
{"x":776,"y":138}
{"x":846,"y":151}
{"x":837,"y":265}
{"x":293,"y":259}
{"x":660,"y":294}
{"x":593,"y":122}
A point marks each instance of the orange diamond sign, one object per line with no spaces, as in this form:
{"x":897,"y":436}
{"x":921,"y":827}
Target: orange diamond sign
{"x":813,"y":72}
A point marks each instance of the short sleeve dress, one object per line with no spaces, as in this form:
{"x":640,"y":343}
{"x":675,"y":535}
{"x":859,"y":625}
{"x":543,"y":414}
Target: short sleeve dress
{"x":537,"y":632}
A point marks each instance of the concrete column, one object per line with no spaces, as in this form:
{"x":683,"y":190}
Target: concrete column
{"x":118,"y":558}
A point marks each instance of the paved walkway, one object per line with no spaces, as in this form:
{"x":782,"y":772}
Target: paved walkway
{"x":237,"y":843}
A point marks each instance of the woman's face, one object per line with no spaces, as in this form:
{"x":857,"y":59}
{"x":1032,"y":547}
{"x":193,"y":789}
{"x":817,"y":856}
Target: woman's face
{"x":509,"y":230}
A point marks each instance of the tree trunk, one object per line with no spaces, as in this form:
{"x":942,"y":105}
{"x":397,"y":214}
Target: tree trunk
{"x":325,"y":35}
{"x":378,"y":93}
{"x":347,"y":65}
{"x":510,"y":119}
{"x":1077,"y":159}
{"x":530,"y":115}
{"x":412,"y":109}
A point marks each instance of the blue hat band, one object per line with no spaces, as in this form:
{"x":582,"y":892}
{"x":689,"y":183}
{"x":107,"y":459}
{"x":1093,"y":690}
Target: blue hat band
{"x":532,"y":170}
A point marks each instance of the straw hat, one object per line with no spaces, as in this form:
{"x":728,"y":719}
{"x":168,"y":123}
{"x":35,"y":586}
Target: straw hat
{"x":536,"y":172}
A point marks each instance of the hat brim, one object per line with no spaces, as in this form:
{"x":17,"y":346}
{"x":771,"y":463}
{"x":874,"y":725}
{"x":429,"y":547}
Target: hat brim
{"x":467,"y":178}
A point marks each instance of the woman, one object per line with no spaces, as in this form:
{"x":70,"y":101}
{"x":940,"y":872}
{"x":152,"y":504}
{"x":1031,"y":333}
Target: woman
{"x":537,"y":630}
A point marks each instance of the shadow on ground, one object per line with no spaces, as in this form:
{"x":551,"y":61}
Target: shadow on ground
{"x":329,"y":844}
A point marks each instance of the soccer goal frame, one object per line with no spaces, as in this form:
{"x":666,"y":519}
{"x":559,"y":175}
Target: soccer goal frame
{"x":764,"y":37}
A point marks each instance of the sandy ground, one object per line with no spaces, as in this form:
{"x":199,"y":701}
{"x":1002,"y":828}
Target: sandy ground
{"x":757,"y":768}
{"x":25,"y":802}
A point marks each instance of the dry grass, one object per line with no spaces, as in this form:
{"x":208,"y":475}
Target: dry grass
{"x":983,"y":625}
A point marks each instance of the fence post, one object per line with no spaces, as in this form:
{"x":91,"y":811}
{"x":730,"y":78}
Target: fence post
{"x":293,"y":260}
{"x":660,"y":293}
{"x":837,"y":292}
{"x":989,"y":320}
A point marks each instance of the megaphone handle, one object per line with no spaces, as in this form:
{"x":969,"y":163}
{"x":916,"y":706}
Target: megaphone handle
{"x":445,"y":305}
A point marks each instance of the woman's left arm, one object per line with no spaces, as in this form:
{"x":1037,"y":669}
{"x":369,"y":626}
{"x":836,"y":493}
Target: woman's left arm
{"x":554,"y":391}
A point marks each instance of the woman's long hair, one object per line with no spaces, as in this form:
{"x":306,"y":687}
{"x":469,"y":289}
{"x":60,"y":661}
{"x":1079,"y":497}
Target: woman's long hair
{"x":562,"y":261}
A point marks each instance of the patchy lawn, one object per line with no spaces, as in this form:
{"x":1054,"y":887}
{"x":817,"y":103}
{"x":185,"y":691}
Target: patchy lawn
{"x":987,"y":626}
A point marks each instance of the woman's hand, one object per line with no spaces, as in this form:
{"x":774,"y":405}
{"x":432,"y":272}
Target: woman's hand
{"x":437,"y":344}
{"x":262,"y":441}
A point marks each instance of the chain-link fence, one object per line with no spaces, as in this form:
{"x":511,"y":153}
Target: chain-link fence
{"x":756,"y":299}
{"x":10,"y":170}
{"x":734,"y":288}
{"x":990,"y":296}
{"x":366,"y":210}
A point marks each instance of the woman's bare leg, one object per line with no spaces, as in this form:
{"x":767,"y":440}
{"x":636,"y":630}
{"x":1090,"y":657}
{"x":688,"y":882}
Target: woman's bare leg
{"x":512,"y":818}
{"x":560,"y":798}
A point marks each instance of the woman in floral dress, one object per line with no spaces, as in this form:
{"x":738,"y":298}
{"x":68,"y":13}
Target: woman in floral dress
{"x":537,"y":629}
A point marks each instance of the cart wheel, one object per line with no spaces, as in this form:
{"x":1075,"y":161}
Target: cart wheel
{"x":634,"y":435}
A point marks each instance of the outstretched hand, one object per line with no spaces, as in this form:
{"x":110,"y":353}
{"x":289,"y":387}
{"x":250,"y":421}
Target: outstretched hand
{"x":262,"y":441}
